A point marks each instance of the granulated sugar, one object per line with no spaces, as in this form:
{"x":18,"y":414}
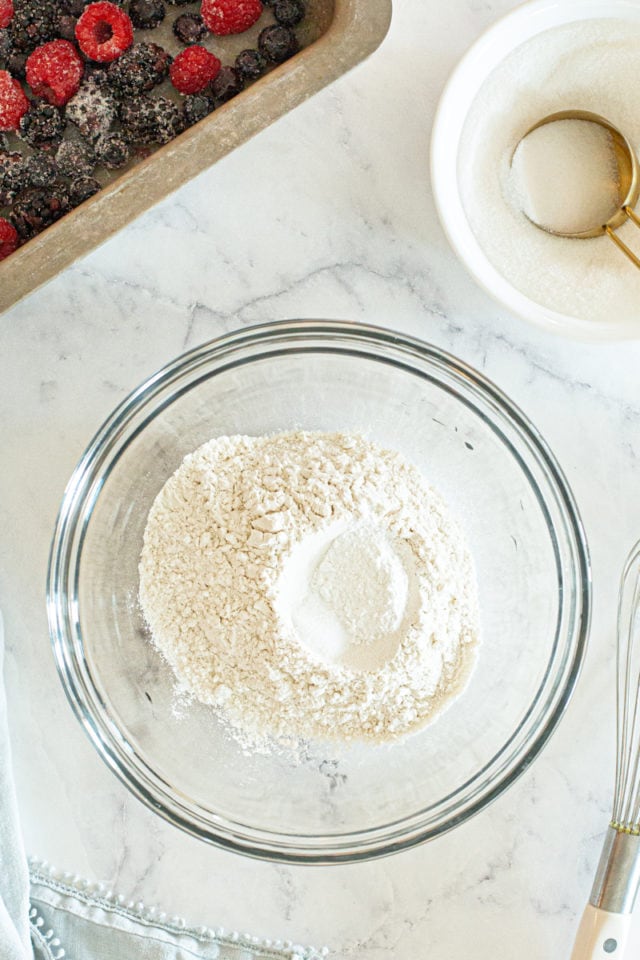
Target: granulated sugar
{"x":309,"y":585}
{"x":592,"y":66}
{"x":565,"y":176}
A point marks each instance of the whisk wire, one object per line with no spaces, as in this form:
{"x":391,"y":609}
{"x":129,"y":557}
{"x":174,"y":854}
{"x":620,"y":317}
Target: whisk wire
{"x":626,"y":811}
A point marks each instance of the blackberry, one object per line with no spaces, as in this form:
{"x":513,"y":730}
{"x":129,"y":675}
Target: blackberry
{"x":17,"y":65}
{"x":226,"y":85}
{"x":13,"y":178}
{"x":97,"y":74}
{"x":6,"y":46}
{"x":250,"y":64}
{"x":93,"y":109}
{"x":82,"y":189}
{"x":4,"y":143}
{"x":179,"y":3}
{"x":146,"y":14}
{"x":38,"y":208}
{"x":140,"y":68}
{"x":112,"y":150}
{"x":289,"y":13}
{"x":277,"y":43}
{"x":34,"y":22}
{"x":196,"y":107}
{"x":189,"y":28}
{"x":67,"y":27}
{"x":151,"y":120}
{"x":73,"y":8}
{"x":42,"y":126}
{"x":41,"y":170}
{"x":76,"y":159}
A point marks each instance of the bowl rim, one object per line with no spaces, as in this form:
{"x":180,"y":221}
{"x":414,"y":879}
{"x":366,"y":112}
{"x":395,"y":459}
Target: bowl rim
{"x":444,"y":170}
{"x":83,"y":490}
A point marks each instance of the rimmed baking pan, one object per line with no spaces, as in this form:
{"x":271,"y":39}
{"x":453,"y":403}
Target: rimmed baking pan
{"x":338,"y":35}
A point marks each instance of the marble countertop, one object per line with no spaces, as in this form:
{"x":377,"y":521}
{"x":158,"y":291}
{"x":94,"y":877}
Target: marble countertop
{"x":339,"y":222}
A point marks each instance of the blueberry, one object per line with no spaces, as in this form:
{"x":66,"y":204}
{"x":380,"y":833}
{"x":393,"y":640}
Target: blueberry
{"x":189,"y":28}
{"x":289,"y":13}
{"x":277,"y":43}
{"x":226,"y":85}
{"x":146,"y":14}
{"x":250,"y":64}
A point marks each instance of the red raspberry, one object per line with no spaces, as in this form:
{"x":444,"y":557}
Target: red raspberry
{"x":6,"y":12}
{"x":193,"y":69}
{"x":13,"y":102}
{"x":9,"y":240}
{"x":54,"y":71}
{"x":104,"y":31}
{"x":230,"y":16}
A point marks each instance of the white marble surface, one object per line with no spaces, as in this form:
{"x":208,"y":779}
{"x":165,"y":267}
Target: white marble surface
{"x":338,"y":222}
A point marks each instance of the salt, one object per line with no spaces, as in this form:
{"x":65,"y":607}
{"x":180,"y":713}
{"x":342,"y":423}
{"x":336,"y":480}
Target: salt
{"x":565,"y":176}
{"x":589,"y":65}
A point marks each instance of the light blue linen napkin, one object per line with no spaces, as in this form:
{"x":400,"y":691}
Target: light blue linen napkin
{"x":48,"y":916}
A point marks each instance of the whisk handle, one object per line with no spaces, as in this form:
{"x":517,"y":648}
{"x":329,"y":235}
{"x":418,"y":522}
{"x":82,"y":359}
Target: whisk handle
{"x":601,"y":935}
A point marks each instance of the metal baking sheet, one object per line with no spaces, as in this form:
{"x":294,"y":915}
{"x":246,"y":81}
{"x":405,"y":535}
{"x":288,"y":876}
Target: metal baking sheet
{"x":338,"y":35}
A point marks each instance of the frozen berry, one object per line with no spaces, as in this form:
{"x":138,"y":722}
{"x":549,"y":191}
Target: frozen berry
{"x":104,"y":31}
{"x":112,"y":150}
{"x":37,"y":208}
{"x":289,"y":13}
{"x":41,"y":170}
{"x":6,"y":12}
{"x":17,"y":65}
{"x":151,"y":120}
{"x":179,"y":3}
{"x":4,"y":143}
{"x":97,"y":73}
{"x":9,"y":239}
{"x":13,"y":102}
{"x":146,"y":14}
{"x":139,"y":69}
{"x":196,"y":107}
{"x":230,"y":16}
{"x":34,"y":22}
{"x":93,"y":109}
{"x":73,"y":8}
{"x":42,"y":126}
{"x":54,"y":71}
{"x":189,"y":28}
{"x":67,"y":27}
{"x":277,"y":43}
{"x":82,"y":189}
{"x":13,"y":178}
{"x":193,"y":69}
{"x":250,"y":64}
{"x":6,"y":46}
{"x":75,"y":159}
{"x":226,"y":85}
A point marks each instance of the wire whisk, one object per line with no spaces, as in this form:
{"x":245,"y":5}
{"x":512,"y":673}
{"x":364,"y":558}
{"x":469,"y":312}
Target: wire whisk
{"x":604,"y":928}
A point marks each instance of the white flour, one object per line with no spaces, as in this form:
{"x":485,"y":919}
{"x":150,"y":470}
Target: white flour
{"x":309,"y":585}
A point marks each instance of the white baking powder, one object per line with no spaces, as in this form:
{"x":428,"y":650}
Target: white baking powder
{"x":309,"y":585}
{"x":590,"y":65}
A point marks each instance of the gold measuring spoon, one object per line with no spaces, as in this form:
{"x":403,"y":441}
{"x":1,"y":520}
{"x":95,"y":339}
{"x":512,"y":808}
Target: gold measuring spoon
{"x":628,"y":182}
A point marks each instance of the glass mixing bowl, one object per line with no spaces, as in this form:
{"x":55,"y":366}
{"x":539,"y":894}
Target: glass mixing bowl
{"x":333,"y":803}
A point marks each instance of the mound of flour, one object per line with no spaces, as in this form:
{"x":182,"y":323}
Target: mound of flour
{"x":309,"y":585}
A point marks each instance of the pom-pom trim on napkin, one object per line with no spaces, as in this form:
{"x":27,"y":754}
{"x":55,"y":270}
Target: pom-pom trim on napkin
{"x":97,"y":894}
{"x":46,"y":939}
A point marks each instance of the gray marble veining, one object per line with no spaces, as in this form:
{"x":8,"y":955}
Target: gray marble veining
{"x":326,"y":214}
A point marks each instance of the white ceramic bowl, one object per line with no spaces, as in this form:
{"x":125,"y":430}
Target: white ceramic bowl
{"x":479,"y":62}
